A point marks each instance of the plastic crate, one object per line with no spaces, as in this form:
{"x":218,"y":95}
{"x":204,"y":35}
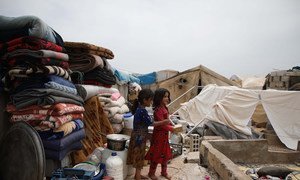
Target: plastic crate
{"x":73,"y":173}
{"x":70,"y":173}
{"x":176,"y":149}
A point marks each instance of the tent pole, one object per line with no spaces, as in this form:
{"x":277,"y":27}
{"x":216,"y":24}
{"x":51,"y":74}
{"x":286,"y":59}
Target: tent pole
{"x":195,"y":126}
{"x":181,"y":96}
{"x":177,"y":99}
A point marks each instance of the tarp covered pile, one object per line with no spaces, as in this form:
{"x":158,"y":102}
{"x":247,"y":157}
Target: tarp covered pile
{"x":234,"y":107}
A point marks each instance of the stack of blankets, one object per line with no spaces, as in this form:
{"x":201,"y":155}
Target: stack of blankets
{"x":63,"y":89}
{"x":93,"y":76}
{"x":89,"y":62}
{"x":35,"y":71}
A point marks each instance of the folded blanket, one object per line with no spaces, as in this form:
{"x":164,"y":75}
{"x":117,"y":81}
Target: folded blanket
{"x":77,"y":47}
{"x":46,"y":121}
{"x":50,"y":135}
{"x":108,"y":102}
{"x":12,"y":27}
{"x":38,"y":81}
{"x":114,"y":110}
{"x":59,"y":155}
{"x":77,"y":77}
{"x":50,"y":85}
{"x":44,"y":97}
{"x":55,"y":110}
{"x":63,"y":143}
{"x":43,"y":53}
{"x":104,"y":100}
{"x":66,"y":89}
{"x":29,"y":61}
{"x":25,"y":72}
{"x":70,"y":127}
{"x":88,"y":91}
{"x":95,"y":83}
{"x":85,"y":62}
{"x":29,"y":42}
{"x":62,"y":131}
{"x":101,"y":75}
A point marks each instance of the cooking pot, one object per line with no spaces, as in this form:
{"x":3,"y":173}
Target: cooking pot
{"x":117,"y":142}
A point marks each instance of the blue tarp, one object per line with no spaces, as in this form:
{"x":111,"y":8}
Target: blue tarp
{"x":124,"y":77}
{"x":149,"y":78}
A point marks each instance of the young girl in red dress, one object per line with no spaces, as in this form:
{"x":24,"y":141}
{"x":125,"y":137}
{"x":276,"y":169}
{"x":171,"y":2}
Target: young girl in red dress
{"x":136,"y":150}
{"x":160,"y":151}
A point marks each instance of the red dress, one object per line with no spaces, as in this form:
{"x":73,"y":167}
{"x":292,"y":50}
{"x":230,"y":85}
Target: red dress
{"x":160,"y":150}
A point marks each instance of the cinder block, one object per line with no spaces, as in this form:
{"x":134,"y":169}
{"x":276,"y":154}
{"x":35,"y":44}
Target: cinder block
{"x":194,"y":142}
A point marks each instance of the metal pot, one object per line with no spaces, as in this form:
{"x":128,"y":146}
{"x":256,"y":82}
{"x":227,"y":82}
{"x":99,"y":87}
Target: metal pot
{"x":116,"y":142}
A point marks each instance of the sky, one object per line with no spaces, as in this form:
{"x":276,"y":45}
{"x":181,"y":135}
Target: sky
{"x":241,"y":37}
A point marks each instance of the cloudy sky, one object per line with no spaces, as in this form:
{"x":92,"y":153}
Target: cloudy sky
{"x":242,"y":37}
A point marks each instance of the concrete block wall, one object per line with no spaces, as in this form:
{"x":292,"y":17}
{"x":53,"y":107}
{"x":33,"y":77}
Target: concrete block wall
{"x":223,"y":166}
{"x":222,"y":156}
{"x":254,"y":151}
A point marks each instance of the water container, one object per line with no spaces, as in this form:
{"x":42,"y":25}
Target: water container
{"x":114,"y":166}
{"x":122,"y":154}
{"x":96,"y":156}
{"x":128,"y":120}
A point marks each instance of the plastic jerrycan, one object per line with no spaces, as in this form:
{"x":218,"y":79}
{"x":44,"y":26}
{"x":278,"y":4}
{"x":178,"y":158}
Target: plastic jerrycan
{"x":114,"y":166}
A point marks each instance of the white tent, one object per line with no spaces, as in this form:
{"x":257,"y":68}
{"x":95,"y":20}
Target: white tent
{"x":234,"y":107}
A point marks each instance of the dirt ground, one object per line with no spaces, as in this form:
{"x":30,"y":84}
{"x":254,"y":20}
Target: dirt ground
{"x":178,"y":170}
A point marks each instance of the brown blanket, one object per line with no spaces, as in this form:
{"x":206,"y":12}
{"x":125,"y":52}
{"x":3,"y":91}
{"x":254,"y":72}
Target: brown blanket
{"x":76,"y":47}
{"x":95,"y":123}
{"x":84,"y":62}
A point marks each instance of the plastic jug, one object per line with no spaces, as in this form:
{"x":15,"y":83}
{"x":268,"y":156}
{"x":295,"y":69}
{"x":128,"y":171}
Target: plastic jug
{"x":122,"y":154}
{"x":128,"y":120}
{"x":96,"y":156}
{"x":114,"y":166}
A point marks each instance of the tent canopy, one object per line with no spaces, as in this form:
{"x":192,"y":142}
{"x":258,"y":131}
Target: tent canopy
{"x":234,"y":107}
{"x":180,"y":83}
